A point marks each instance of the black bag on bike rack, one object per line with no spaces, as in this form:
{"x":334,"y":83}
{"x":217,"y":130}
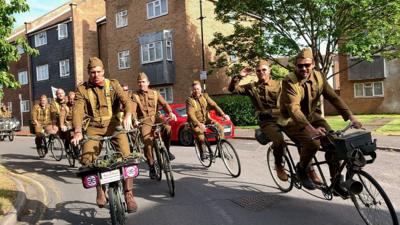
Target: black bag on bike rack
{"x":344,"y":145}
{"x":261,"y":137}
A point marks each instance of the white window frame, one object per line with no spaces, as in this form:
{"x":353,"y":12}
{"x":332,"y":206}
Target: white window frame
{"x":40,"y":39}
{"x":124,"y":60}
{"x":363,"y":86}
{"x":150,"y":47}
{"x":152,"y":6}
{"x":64,"y":68}
{"x":39,"y":75}
{"x":25,"y":106}
{"x":20,"y":49}
{"x":168,"y":45}
{"x":163,"y":93}
{"x":121,"y":19}
{"x":23,"y":77}
{"x":62,"y":29}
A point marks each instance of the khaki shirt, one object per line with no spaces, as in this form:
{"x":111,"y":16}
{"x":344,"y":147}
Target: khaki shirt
{"x":5,"y":114}
{"x":41,"y":114}
{"x":66,"y":115}
{"x":55,"y":109}
{"x":146,"y":104}
{"x":197,"y":109}
{"x":301,"y":109}
{"x":99,"y":117}
{"x":264,"y":97}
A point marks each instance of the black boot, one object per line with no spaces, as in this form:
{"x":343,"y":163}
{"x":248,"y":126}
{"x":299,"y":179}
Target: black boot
{"x":304,"y":178}
{"x":171,"y":156}
{"x":152,"y":172}
{"x":339,"y":189}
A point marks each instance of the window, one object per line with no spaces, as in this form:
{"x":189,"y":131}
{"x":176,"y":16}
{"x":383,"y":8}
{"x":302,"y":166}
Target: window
{"x":152,"y":52}
{"x":25,"y":106}
{"x":124,"y":60}
{"x":169,"y":50}
{"x":23,"y":77}
{"x":157,"y":8}
{"x":167,"y":94}
{"x":9,"y":106}
{"x":20,"y":49}
{"x":121,"y":19}
{"x":370,"y":89}
{"x":40,"y":39}
{"x":64,"y":68}
{"x":62,"y":31}
{"x":42,"y":72}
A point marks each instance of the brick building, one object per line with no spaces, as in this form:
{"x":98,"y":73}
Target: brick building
{"x":65,"y":37}
{"x":161,"y":38}
{"x":370,"y":87}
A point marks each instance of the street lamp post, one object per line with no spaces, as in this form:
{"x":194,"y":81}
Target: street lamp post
{"x":203,"y":74}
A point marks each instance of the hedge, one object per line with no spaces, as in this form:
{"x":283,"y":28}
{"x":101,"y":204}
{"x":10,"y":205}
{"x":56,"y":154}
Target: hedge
{"x":239,"y":108}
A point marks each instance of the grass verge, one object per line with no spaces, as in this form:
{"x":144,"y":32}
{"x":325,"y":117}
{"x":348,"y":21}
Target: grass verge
{"x":8,"y":192}
{"x":391,"y":128}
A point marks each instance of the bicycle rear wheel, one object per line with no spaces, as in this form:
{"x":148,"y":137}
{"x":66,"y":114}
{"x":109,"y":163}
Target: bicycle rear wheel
{"x":230,"y":158}
{"x":117,"y":209}
{"x":168,"y":172}
{"x":284,"y":186}
{"x":42,"y":149}
{"x":207,"y":152}
{"x":157,"y":162}
{"x":57,"y":148}
{"x":11,"y":136}
{"x":372,"y":203}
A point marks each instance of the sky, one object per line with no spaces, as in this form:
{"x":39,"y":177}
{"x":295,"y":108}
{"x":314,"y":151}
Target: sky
{"x":37,"y":8}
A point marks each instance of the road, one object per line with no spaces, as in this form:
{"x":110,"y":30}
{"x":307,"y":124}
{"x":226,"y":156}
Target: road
{"x":203,"y":196}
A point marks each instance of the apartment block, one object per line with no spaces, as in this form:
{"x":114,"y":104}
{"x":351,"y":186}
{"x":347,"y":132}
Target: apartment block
{"x":163,"y":39}
{"x":65,"y":37}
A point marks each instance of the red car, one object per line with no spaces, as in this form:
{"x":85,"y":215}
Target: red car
{"x":181,"y":133}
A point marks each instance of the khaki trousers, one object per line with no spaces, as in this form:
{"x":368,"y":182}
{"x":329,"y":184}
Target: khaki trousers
{"x":274,"y":133}
{"x":91,"y":149}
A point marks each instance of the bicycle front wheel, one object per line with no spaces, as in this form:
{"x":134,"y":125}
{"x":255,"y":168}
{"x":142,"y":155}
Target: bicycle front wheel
{"x":372,"y":203}
{"x":57,"y":148}
{"x":70,"y":155}
{"x":230,"y":158}
{"x":207,"y":152}
{"x":168,"y":172}
{"x":42,"y":148}
{"x":117,"y":210}
{"x":284,"y":186}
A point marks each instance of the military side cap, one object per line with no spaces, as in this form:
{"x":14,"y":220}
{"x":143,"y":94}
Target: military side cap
{"x":305,"y":53}
{"x":196,"y":82}
{"x":142,"y":76}
{"x":93,"y":62}
{"x":263,"y":62}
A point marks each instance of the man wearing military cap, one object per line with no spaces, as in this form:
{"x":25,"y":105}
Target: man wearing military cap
{"x":198,"y":105}
{"x":264,"y":95}
{"x":41,"y":119}
{"x":4,"y":112}
{"x":145,"y":108}
{"x":301,"y":114}
{"x":99,"y":98}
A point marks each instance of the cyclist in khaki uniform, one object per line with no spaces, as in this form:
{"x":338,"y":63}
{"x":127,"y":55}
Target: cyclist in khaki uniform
{"x":301,"y":114}
{"x":66,"y":118}
{"x":56,"y":106}
{"x":145,"y":108}
{"x":264,"y":95}
{"x":4,"y":113}
{"x":41,"y":119}
{"x":99,"y":98}
{"x":197,"y":108}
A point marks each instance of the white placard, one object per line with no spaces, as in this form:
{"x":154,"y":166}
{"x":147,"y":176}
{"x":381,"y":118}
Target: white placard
{"x":110,"y":176}
{"x":203,"y":75}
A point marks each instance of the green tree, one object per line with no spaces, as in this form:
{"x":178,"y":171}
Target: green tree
{"x":8,"y":51}
{"x":271,"y":28}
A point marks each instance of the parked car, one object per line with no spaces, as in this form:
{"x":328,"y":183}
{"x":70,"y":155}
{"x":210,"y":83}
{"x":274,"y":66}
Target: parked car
{"x":181,"y":132}
{"x":8,"y":126}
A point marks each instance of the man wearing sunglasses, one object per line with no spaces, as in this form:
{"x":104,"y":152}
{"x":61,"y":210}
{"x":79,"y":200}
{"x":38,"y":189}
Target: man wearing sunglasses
{"x":301,"y":114}
{"x":264,"y":96}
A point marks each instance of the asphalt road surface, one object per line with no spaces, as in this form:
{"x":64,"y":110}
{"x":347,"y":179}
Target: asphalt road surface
{"x":203,"y":196}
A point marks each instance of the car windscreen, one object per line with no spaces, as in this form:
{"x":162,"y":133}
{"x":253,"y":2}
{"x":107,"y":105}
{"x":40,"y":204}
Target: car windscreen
{"x":181,"y":111}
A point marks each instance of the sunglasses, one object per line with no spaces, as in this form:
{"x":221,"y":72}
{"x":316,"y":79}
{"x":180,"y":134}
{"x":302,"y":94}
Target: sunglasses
{"x":307,"y":65}
{"x":259,"y":71}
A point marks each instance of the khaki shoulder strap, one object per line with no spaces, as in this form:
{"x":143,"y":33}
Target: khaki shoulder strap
{"x":155,"y":100}
{"x":92,"y":100}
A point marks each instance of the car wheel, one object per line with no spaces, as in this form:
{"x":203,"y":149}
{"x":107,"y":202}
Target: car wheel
{"x":186,"y":137}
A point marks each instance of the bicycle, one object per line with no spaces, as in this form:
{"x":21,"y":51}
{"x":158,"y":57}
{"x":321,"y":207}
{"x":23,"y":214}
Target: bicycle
{"x":53,"y":143}
{"x":109,"y":169}
{"x":160,"y":153}
{"x":353,"y":150}
{"x":136,"y":143}
{"x":224,"y":150}
{"x":72,"y":153}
